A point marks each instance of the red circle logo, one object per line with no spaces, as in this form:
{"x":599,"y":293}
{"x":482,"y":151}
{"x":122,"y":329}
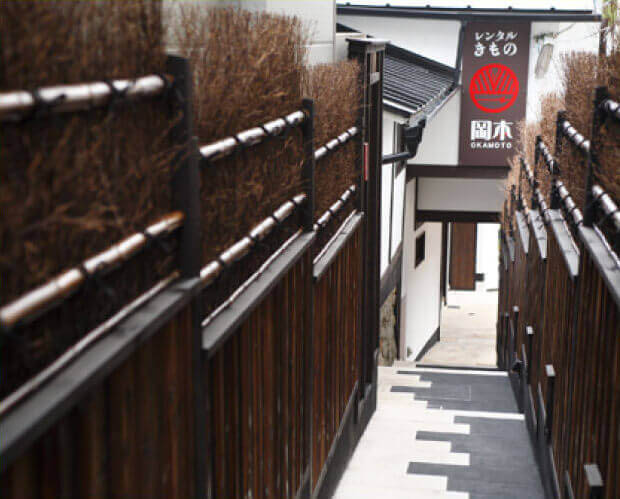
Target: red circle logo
{"x":494,"y":88}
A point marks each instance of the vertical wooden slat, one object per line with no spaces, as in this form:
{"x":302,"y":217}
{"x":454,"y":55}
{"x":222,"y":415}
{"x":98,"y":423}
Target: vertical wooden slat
{"x":18,"y":482}
{"x":245,"y":363}
{"x":92,"y":446}
{"x":285,"y":331}
{"x":123,"y":468}
{"x":148,"y":419}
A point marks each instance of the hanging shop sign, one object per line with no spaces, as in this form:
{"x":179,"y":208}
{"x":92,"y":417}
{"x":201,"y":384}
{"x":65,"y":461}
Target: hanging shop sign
{"x":494,"y":91}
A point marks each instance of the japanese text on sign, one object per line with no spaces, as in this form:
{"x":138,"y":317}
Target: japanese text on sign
{"x":495,"y":43}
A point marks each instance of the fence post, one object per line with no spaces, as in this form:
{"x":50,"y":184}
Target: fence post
{"x":550,"y":372}
{"x":308,"y":178}
{"x":308,"y":168}
{"x":185,"y":188}
{"x":594,"y":481}
{"x":186,"y":177}
{"x":558,"y":133}
{"x":515,"y":332}
{"x":598,"y":116}
{"x":529,"y":331}
{"x":520,"y":194}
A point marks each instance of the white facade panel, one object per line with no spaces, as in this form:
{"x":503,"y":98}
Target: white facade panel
{"x":440,"y":141}
{"x":487,"y":255}
{"x":420,"y":285}
{"x":459,"y":194}
{"x":569,"y":37}
{"x":389,"y":121}
{"x":398,"y":210}
{"x":386,"y":196}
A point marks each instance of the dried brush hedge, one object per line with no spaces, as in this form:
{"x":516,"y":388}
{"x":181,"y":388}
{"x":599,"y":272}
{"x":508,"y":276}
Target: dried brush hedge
{"x":248,"y":69}
{"x":336,"y":91}
{"x":71,"y":185}
{"x":581,"y":73}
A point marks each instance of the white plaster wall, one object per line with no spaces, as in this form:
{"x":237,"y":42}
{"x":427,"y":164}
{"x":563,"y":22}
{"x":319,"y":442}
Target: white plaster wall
{"x":440,"y":141}
{"x":319,"y":17}
{"x":436,"y":40}
{"x":420,"y":286}
{"x":571,"y":37}
{"x":398,"y":210}
{"x":389,"y":119}
{"x":457,"y":194}
{"x":487,"y":255}
{"x":386,"y":190}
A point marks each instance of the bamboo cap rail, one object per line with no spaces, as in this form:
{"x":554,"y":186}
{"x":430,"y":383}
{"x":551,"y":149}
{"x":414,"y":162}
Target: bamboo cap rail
{"x":69,"y":98}
{"x":574,"y":136}
{"x":569,"y":205}
{"x":252,"y":136}
{"x":610,"y":209}
{"x":28,"y":306}
{"x":82,"y":345}
{"x":335,"y":143}
{"x":238,"y":250}
{"x":548,"y":158}
{"x":611,"y":108}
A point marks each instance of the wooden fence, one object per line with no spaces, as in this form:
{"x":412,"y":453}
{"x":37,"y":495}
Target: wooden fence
{"x":264,"y":396}
{"x":566,"y":365}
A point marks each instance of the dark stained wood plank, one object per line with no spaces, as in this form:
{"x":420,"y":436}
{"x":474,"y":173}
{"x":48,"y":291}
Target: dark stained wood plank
{"x":92,"y":449}
{"x":123,"y":467}
{"x":463,"y":256}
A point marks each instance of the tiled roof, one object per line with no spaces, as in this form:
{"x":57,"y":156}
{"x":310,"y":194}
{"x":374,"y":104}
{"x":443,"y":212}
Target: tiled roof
{"x":413,"y":83}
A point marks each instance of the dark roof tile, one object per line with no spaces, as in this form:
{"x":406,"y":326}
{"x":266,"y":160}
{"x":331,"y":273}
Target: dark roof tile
{"x":413,"y":81}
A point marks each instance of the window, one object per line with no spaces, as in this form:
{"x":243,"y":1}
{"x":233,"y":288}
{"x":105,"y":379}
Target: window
{"x":420,"y":248}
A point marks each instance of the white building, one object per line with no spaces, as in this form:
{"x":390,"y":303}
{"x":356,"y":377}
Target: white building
{"x":435,"y":190}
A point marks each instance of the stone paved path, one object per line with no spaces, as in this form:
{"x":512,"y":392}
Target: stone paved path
{"x":440,"y":433}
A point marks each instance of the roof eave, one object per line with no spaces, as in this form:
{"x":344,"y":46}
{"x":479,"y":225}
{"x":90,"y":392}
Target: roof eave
{"x":471,"y":14}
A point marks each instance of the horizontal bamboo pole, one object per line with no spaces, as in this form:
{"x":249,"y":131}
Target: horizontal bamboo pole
{"x":335,"y":143}
{"x":610,"y":209}
{"x":35,"y":302}
{"x":261,"y":270}
{"x":238,"y":250}
{"x":256,"y":135}
{"x":69,"y":98}
{"x":335,"y":208}
{"x":569,"y":204}
{"x":551,"y":163}
{"x":574,"y":136}
{"x":82,"y":345}
{"x":611,"y":108}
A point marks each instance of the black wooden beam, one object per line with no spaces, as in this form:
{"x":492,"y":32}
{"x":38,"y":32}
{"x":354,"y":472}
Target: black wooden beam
{"x":456,"y":171}
{"x":457,"y":216}
{"x":455,"y":14}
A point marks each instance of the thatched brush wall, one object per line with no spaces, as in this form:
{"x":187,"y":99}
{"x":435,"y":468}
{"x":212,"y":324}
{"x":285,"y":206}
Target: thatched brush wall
{"x":581,"y":73}
{"x":72,"y":185}
{"x":248,"y":69}
{"x":336,"y":91}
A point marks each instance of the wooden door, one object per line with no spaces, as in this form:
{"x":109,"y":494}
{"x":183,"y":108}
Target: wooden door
{"x":463,"y":256}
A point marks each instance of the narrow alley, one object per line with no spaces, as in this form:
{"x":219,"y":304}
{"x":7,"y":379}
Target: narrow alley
{"x":443,"y":433}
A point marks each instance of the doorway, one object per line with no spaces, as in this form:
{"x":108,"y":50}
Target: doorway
{"x":469,"y":307}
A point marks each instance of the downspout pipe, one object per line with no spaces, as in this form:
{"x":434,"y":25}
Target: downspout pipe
{"x":412,"y":136}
